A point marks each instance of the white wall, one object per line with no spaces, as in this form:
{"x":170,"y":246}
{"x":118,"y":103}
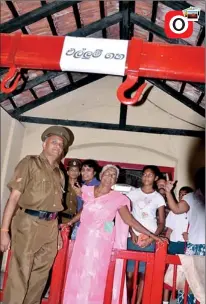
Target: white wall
{"x":12,"y":134}
{"x":98,"y":102}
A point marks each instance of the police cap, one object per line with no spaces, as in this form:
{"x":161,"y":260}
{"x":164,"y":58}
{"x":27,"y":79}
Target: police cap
{"x":74,"y":163}
{"x":59,"y":131}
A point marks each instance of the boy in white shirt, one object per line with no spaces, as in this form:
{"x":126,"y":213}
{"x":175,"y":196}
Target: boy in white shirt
{"x":177,"y":225}
{"x":177,"y":233}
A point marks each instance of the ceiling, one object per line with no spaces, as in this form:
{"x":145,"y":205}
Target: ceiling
{"x":102,"y":19}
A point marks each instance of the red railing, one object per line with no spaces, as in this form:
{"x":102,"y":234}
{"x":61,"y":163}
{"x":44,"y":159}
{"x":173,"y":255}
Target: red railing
{"x":58,"y":272}
{"x":137,"y":257}
{"x":5,"y":275}
{"x":175,"y":260}
{"x":156,"y":264}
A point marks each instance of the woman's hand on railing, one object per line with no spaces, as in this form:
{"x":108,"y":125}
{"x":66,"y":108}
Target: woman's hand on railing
{"x":146,"y":242}
{"x":160,"y":239}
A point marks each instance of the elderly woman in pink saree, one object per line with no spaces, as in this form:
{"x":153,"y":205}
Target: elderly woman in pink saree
{"x":96,"y":237}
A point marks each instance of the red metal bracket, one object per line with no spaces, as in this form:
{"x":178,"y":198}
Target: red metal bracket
{"x":13,"y":74}
{"x":132,"y":70}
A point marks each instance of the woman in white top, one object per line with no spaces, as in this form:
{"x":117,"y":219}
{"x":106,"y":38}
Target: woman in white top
{"x":194,"y":204}
{"x":146,"y":203}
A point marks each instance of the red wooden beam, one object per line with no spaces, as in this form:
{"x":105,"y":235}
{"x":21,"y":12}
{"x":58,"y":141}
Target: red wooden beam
{"x":134,"y":58}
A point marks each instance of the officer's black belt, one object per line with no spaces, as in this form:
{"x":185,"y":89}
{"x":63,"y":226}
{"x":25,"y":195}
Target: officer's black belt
{"x":66,"y":215}
{"x":44,"y":215}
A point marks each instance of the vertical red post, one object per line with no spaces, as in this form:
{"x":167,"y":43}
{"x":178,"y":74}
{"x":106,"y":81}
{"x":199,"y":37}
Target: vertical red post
{"x":58,"y":272}
{"x":69,"y":254}
{"x":158,"y":273}
{"x":148,"y":281}
{"x":110,"y":279}
{"x":5,"y":275}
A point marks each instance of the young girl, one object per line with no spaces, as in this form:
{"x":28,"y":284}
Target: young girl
{"x":146,"y":203}
{"x":89,"y":172}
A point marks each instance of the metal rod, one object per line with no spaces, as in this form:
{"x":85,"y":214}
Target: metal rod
{"x":111,"y":126}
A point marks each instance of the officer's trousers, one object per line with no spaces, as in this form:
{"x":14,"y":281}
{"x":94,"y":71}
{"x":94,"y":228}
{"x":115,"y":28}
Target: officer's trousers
{"x":33,"y":250}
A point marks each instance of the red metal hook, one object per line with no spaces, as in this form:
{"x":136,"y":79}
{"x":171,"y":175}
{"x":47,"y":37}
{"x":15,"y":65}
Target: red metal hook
{"x":133,"y":61}
{"x":12,"y":75}
{"x":130,"y":81}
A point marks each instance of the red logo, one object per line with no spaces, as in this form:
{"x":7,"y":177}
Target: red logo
{"x":177,"y":25}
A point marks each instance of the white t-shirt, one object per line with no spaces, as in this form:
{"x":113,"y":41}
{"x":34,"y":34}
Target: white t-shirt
{"x":179,"y":224}
{"x":196,"y":217}
{"x":144,"y":207}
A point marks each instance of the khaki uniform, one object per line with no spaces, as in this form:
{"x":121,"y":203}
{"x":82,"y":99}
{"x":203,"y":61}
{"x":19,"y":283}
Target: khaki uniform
{"x":34,"y":240}
{"x":70,"y":197}
{"x":71,"y":204}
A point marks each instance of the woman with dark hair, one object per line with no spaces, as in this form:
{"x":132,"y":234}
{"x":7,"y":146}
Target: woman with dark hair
{"x":96,"y":237}
{"x":146,"y":203}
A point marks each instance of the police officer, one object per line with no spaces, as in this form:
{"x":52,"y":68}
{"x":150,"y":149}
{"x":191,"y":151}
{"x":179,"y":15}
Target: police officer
{"x":71,"y":199}
{"x":36,"y":187}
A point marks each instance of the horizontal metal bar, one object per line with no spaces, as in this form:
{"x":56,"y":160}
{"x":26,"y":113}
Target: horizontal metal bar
{"x":181,"y":5}
{"x":35,"y":15}
{"x":83,"y":32}
{"x":175,"y":94}
{"x":110,"y":126}
{"x":155,"y":29}
{"x":78,"y":84}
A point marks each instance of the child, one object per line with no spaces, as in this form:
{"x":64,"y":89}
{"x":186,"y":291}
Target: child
{"x":177,"y":227}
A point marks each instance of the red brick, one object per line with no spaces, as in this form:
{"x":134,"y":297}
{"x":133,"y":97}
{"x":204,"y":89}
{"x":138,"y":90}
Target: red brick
{"x":6,"y":15}
{"x":23,"y":98}
{"x":64,"y":21}
{"x":42,"y":89}
{"x":111,"y":7}
{"x":140,"y":33}
{"x":144,"y":8}
{"x":24,"y":7}
{"x":61,"y":81}
{"x":89,"y":12}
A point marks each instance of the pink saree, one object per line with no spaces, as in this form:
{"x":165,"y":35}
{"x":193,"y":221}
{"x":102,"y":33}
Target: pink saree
{"x":96,"y":237}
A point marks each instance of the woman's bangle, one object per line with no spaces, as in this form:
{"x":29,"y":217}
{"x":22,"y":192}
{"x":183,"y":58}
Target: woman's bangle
{"x":4,"y":230}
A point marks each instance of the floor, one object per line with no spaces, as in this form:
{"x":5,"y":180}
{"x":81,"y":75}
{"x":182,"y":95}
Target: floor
{"x":1,"y":276}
